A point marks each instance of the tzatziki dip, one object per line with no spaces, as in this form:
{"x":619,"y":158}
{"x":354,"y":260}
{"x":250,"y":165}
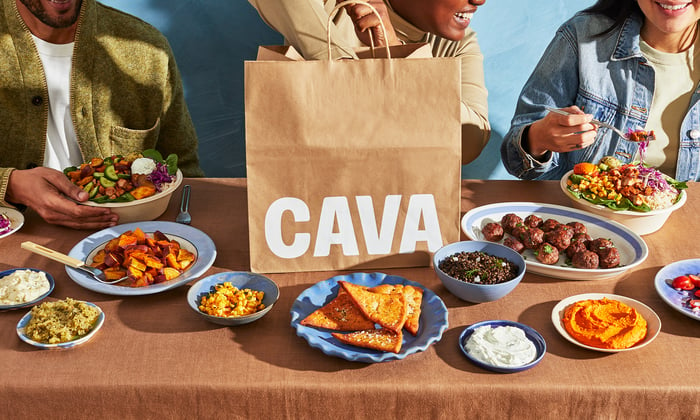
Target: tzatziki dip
{"x":23,"y":286}
{"x":503,"y":346}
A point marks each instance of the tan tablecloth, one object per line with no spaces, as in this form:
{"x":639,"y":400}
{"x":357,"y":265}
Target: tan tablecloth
{"x":155,"y":358}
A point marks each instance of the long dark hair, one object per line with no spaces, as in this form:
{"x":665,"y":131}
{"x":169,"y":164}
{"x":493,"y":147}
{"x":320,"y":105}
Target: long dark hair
{"x":617,"y":10}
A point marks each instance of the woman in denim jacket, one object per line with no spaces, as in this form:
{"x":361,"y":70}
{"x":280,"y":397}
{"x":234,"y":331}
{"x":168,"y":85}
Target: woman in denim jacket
{"x":606,"y":61}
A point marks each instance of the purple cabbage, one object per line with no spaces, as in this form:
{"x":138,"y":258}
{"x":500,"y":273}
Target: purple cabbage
{"x":160,"y":176}
{"x":5,"y":225}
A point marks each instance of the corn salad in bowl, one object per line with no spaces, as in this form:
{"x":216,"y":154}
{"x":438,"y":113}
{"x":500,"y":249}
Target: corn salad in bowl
{"x":233,"y":297}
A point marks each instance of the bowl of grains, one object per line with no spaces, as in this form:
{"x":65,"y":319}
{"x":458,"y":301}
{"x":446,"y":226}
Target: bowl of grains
{"x":478,"y":271}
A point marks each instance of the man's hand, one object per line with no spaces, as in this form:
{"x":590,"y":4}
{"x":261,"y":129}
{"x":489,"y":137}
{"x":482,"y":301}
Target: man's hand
{"x":367,"y":22}
{"x":50,"y":193}
{"x":561,"y":133}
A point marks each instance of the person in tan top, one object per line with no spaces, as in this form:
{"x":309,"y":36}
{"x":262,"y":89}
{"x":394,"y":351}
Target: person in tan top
{"x":444,"y":24}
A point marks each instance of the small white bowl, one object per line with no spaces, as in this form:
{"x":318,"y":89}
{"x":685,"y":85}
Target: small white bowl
{"x":145,"y":209}
{"x":641,"y":223}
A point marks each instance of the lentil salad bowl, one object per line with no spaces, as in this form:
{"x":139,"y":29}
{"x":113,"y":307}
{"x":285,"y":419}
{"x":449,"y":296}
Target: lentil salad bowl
{"x":478,"y":271}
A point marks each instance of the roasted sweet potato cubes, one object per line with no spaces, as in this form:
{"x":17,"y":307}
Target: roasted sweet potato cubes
{"x":144,"y":259}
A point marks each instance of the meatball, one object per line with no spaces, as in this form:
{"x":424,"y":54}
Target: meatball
{"x":549,"y":224}
{"x":609,"y":257}
{"x":577,"y":227}
{"x":509,"y":221}
{"x":492,"y":232}
{"x":585,"y":259}
{"x":559,"y":237}
{"x":547,"y":254}
{"x":532,"y":238}
{"x":514,"y":244}
{"x":575,"y":247}
{"x":532,"y":221}
{"x":584,"y":237}
{"x":598,"y":244}
{"x":519,"y":231}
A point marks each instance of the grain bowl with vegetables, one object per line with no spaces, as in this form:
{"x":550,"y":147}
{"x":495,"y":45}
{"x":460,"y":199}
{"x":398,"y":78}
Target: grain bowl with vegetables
{"x":137,"y":186}
{"x":640,"y":197}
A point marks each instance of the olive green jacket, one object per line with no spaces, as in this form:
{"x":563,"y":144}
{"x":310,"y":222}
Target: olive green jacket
{"x":126,"y":92}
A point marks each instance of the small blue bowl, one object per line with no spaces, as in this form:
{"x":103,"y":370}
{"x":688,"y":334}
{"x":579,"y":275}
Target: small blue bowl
{"x":52,"y":283}
{"x":530,"y":333}
{"x":241,"y":280}
{"x":475,"y":292}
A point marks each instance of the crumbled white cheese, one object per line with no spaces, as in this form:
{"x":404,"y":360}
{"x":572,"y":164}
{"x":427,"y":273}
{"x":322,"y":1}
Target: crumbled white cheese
{"x":143,"y":166}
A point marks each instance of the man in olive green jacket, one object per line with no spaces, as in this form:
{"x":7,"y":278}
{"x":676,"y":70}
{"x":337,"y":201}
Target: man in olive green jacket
{"x":125,"y":95}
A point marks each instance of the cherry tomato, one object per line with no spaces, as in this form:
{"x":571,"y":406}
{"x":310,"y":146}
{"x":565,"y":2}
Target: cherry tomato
{"x":697,"y":293}
{"x":694,"y":304}
{"x":682,"y":283}
{"x":695,"y":279}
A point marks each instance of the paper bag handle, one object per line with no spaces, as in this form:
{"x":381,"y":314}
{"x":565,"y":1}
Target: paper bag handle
{"x":349,"y":2}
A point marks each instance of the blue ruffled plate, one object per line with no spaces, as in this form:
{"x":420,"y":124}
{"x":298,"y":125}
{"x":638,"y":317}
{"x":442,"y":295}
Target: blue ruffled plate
{"x":433,"y":319}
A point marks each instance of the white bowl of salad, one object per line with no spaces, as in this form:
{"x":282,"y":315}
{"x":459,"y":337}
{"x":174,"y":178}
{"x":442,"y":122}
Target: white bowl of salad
{"x":638,"y":196}
{"x":137,"y":187}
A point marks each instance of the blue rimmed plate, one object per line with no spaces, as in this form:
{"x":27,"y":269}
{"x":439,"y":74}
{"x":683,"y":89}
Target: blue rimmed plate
{"x":49,"y":277}
{"x":633,"y":249}
{"x":22,"y":324}
{"x":190,"y":238}
{"x":531,"y":334}
{"x":433,"y":319}
{"x":677,"y":299}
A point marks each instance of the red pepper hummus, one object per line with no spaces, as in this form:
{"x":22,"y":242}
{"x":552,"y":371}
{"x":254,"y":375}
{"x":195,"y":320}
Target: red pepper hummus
{"x":605,"y":323}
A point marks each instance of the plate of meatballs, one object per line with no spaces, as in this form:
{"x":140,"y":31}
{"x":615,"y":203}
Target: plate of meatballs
{"x":558,"y":241}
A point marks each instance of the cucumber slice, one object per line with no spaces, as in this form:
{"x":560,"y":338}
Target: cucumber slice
{"x":106,"y":182}
{"x":98,"y":174}
{"x":111,"y":173}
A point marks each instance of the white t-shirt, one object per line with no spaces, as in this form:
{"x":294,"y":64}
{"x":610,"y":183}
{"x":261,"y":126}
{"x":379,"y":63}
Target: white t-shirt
{"x":62,"y":149}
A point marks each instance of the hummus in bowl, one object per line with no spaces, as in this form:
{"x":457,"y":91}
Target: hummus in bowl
{"x":606,"y":322}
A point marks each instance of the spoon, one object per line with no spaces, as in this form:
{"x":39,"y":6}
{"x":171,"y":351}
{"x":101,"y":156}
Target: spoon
{"x":98,"y":274}
{"x":184,"y":215}
{"x":601,"y":124}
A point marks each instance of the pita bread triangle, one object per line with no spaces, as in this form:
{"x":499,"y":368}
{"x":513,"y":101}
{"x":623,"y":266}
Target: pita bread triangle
{"x":414,"y":299}
{"x":381,"y":339}
{"x":339,"y":314}
{"x":388,"y":310}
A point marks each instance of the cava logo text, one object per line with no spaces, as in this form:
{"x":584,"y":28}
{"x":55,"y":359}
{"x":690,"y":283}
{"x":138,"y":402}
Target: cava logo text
{"x":335,"y":211}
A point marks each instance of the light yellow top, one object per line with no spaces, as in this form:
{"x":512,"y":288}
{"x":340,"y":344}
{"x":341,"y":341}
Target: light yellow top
{"x":303,"y":23}
{"x":676,"y":75}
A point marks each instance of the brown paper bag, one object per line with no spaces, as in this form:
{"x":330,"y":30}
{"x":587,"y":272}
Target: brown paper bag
{"x":351,"y":164}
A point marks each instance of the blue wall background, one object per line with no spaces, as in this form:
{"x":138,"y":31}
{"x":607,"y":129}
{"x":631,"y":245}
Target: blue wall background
{"x":212,"y":39}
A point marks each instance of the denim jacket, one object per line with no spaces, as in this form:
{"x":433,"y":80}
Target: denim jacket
{"x":607,"y":77}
